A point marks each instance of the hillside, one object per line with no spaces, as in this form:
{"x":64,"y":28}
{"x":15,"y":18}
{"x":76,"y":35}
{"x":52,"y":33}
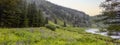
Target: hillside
{"x":71,"y":16}
{"x":98,"y":21}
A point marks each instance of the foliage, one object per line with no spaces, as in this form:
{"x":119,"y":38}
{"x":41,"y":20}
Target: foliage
{"x":46,"y":20}
{"x":44,"y":36}
{"x":51,"y":27}
{"x":65,"y":25}
{"x":9,"y":13}
{"x":114,"y":28}
{"x":55,"y":21}
{"x":19,"y":13}
{"x":35,"y":16}
{"x":112,"y":15}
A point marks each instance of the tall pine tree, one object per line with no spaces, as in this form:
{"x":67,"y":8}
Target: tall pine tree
{"x":113,"y":15}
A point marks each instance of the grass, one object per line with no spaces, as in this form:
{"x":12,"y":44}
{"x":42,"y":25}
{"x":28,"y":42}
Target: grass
{"x":44,"y":36}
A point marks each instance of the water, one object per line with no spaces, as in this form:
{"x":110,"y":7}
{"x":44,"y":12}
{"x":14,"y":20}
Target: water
{"x":97,"y":31}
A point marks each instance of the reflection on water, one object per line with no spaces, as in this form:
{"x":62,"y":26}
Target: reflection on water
{"x":97,"y":31}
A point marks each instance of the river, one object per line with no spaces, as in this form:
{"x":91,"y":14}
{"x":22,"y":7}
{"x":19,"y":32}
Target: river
{"x":97,"y":31}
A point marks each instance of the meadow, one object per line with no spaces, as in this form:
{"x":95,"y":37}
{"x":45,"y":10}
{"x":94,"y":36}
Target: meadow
{"x":45,"y":36}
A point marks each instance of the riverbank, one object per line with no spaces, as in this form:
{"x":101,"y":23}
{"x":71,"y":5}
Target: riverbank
{"x":97,"y":31}
{"x":116,"y":38}
{"x":45,"y":36}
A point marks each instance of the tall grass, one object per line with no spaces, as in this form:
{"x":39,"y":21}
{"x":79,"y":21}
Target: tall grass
{"x":44,"y":36}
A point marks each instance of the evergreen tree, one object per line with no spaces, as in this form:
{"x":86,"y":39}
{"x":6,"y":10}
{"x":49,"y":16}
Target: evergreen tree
{"x":9,"y":13}
{"x":32,"y":14}
{"x":40,"y":19}
{"x":46,"y":20}
{"x":112,"y":15}
{"x":35,"y":16}
{"x":55,"y":21}
{"x":65,"y":25}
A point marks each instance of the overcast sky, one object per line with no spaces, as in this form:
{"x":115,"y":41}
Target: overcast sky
{"x":90,"y":7}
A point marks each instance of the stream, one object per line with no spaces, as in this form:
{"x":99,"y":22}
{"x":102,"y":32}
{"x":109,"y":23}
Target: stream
{"x":97,"y":31}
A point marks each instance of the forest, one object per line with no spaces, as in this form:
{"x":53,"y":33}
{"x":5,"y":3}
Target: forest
{"x":19,"y":13}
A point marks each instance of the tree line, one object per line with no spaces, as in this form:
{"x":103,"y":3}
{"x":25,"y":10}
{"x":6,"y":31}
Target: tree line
{"x":19,"y":13}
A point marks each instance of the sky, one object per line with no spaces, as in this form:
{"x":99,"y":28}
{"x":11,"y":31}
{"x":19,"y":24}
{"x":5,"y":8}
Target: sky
{"x":90,"y":7}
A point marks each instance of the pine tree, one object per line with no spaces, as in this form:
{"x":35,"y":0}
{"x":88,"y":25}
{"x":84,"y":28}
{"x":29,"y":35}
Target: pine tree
{"x":46,"y":20}
{"x":32,"y":14}
{"x":40,"y":19}
{"x":113,"y":15}
{"x":9,"y":13}
{"x":23,"y":16}
{"x":55,"y":21}
{"x":65,"y":25}
{"x":35,"y":16}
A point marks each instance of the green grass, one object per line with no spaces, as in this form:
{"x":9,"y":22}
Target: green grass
{"x":44,"y":36}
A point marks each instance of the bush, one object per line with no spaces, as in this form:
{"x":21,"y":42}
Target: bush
{"x":57,"y":26}
{"x":114,"y":28}
{"x":51,"y":27}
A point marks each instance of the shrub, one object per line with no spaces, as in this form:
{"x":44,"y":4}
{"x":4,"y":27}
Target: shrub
{"x":113,"y":28}
{"x":58,"y":26}
{"x":51,"y":27}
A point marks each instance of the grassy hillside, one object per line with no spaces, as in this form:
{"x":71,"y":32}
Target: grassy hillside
{"x":44,"y":36}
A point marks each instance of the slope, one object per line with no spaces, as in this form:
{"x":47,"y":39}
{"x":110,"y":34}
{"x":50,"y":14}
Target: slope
{"x":71,"y":16}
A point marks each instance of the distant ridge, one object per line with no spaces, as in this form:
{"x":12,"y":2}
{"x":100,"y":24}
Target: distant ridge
{"x":77,"y":18}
